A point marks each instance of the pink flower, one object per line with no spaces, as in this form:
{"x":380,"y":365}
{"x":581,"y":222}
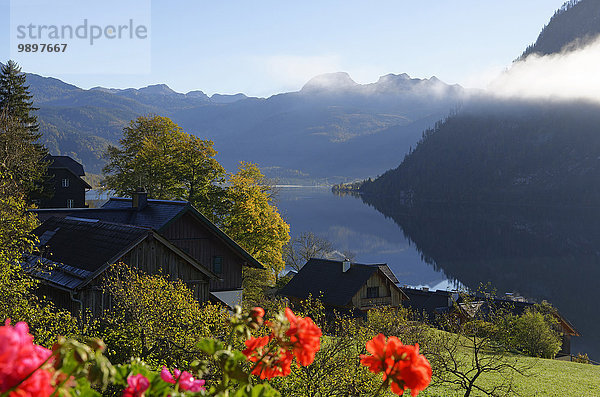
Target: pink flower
{"x":19,"y":357}
{"x":185,"y":379}
{"x":138,"y":384}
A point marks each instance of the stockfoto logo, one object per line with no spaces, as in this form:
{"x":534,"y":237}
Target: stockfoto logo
{"x":84,"y":31}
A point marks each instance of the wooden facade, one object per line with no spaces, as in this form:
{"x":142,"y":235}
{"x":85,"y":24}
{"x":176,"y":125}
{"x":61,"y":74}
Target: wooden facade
{"x":80,"y":289}
{"x":377,"y":291}
{"x":201,"y":243}
{"x":343,"y":285}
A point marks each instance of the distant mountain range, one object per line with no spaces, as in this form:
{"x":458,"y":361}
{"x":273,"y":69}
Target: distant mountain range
{"x":332,"y":130}
{"x":510,"y":151}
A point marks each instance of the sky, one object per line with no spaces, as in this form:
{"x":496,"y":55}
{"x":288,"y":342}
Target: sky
{"x":262,"y":48}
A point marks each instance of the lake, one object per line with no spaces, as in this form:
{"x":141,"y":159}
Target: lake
{"x":539,"y":253}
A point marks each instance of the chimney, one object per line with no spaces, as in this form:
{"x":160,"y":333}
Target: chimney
{"x":139,"y":199}
{"x":345,"y":265}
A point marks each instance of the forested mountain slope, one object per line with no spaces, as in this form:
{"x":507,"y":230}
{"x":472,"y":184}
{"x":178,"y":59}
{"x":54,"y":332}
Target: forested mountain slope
{"x":504,"y":152}
{"x":575,"y":24}
{"x":541,"y":151}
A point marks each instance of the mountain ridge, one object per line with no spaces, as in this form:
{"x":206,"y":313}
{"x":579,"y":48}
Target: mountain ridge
{"x":304,"y":132}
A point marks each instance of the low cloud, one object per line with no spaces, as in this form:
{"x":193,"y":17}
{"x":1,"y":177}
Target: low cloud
{"x":568,"y":75}
{"x":293,"y":71}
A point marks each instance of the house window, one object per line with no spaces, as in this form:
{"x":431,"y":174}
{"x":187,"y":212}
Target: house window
{"x":372,"y":292}
{"x":217,"y":265}
{"x":70,"y":203}
{"x":65,"y":182}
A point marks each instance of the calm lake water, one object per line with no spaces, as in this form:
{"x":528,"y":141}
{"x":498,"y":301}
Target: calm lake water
{"x":358,"y":228}
{"x":537,"y":253}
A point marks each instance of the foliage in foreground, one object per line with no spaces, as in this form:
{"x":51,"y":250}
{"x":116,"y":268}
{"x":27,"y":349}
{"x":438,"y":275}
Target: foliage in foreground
{"x":77,"y":369}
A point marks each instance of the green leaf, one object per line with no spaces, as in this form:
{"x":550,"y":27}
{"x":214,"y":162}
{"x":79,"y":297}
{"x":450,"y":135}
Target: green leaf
{"x":263,"y":390}
{"x":210,"y":346}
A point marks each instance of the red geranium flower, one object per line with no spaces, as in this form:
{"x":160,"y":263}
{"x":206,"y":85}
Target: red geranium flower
{"x":137,"y":385}
{"x":402,"y":364}
{"x":257,"y":312}
{"x":19,"y":357}
{"x":185,"y":379}
{"x":305,"y":337}
{"x":300,"y":338}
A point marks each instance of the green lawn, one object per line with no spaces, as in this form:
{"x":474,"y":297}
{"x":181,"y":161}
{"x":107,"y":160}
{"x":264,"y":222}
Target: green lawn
{"x":546,"y":378}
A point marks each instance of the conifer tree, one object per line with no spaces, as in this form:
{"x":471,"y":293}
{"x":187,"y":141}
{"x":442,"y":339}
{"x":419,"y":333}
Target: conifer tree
{"x":21,"y":155}
{"x":15,"y":98}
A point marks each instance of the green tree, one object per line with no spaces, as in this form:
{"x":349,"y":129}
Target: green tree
{"x":534,"y":334}
{"x":17,"y":299}
{"x":155,"y":319}
{"x":21,"y":156}
{"x":158,"y":155}
{"x":15,"y":98}
{"x":169,"y":163}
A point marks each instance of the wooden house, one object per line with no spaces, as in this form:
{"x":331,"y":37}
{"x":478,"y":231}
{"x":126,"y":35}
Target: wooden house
{"x":184,"y":227}
{"x":345,"y":285}
{"x":75,"y":253}
{"x":65,"y":183}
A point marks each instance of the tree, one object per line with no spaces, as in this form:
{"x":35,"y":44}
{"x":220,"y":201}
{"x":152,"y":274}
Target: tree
{"x":15,"y":98}
{"x":467,"y":354}
{"x":21,"y":156}
{"x":534,"y":334}
{"x":158,"y":155}
{"x":155,"y":319}
{"x":308,"y":245}
{"x":169,"y":163}
{"x":17,"y":299}
{"x":254,"y":221}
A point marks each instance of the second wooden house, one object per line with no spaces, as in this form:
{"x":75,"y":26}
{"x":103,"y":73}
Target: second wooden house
{"x":344,"y":285}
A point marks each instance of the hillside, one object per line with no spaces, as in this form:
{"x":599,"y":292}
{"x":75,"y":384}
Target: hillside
{"x":576,"y":23}
{"x":504,"y":152}
{"x":510,"y":151}
{"x":332,"y":129}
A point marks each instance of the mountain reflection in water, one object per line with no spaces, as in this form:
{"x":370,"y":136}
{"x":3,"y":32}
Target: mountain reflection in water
{"x":542,"y":253}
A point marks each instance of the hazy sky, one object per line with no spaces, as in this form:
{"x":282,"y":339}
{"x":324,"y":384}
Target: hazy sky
{"x":265,"y":47}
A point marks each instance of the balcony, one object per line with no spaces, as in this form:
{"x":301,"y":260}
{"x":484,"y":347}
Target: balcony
{"x":367,"y":303}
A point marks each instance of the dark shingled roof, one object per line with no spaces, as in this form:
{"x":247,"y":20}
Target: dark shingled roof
{"x":431,"y":302}
{"x":75,"y":250}
{"x":325,"y":279}
{"x":86,"y":244}
{"x":66,"y":162}
{"x":157,"y":214}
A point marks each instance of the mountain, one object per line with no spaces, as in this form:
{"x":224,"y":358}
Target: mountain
{"x":503,"y":152}
{"x":576,"y":23}
{"x":543,"y":152}
{"x":333,"y":129}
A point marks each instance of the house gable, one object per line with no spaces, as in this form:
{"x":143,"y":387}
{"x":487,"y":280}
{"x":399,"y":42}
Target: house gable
{"x":326,"y":280}
{"x":379,"y":290}
{"x":66,"y":183}
{"x":71,"y":248}
{"x":201,"y":243}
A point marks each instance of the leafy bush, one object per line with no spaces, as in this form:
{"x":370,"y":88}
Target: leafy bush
{"x":533,"y":334}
